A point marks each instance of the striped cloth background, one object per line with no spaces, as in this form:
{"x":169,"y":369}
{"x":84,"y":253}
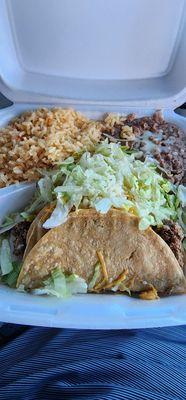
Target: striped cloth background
{"x":41,"y":363}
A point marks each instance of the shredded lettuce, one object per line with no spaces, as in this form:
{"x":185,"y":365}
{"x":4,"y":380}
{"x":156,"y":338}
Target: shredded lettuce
{"x":5,"y":257}
{"x":96,"y":276}
{"x":35,"y":205}
{"x":110,"y":177}
{"x":182,"y":195}
{"x":11,"y":278}
{"x":42,"y":196}
{"x":61,"y":285}
{"x":46,"y":187}
{"x":59,"y":215}
{"x":75,"y":284}
{"x":10,"y":221}
{"x":113,"y":178}
{"x":181,"y":212}
{"x":21,"y":288}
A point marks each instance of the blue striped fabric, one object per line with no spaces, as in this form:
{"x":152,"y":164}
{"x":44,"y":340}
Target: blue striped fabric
{"x":41,"y":363}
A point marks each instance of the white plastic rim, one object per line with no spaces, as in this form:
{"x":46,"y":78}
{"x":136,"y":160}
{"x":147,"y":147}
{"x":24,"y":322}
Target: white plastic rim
{"x":110,"y":311}
{"x":91,"y":311}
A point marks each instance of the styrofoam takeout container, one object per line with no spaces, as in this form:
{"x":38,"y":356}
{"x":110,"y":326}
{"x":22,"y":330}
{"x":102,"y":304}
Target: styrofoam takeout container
{"x":96,"y":56}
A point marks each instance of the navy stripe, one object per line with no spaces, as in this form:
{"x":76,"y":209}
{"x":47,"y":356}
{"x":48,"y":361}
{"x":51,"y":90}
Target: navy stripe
{"x":40,"y":363}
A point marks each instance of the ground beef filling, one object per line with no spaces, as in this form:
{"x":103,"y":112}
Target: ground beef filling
{"x":19,"y":233}
{"x":155,"y":137}
{"x":172,"y":234}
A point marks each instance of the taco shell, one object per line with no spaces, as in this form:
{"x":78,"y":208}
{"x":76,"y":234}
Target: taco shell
{"x":142,"y":258}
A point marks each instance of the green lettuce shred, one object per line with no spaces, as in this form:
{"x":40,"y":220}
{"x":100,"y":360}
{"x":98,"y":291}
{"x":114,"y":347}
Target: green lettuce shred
{"x":5,"y":257}
{"x":10,"y":221}
{"x":113,"y":178}
{"x":60,"y":285}
{"x":181,"y":196}
{"x":11,"y":278}
{"x":42,"y":196}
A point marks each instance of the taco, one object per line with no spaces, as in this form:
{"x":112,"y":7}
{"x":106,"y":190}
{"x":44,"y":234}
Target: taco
{"x":107,"y":251}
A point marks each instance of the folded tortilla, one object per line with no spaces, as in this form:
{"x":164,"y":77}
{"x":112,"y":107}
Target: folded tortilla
{"x":141,"y":260}
{"x":36,"y":230}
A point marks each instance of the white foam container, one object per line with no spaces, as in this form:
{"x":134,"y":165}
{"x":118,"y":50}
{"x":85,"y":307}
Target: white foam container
{"x":95,"y":56}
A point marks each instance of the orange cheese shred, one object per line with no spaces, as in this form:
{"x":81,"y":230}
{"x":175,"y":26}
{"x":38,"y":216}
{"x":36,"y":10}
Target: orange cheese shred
{"x":101,"y":284}
{"x":118,"y":280}
{"x":150,"y":294}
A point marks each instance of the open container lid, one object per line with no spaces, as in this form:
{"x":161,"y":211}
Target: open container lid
{"x":125,"y":52}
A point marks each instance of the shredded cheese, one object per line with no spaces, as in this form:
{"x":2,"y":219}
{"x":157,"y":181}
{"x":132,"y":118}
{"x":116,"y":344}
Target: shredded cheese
{"x":103,"y":265}
{"x":117,"y":281}
{"x":150,"y":294}
{"x":101,"y":284}
{"x":130,"y":281}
